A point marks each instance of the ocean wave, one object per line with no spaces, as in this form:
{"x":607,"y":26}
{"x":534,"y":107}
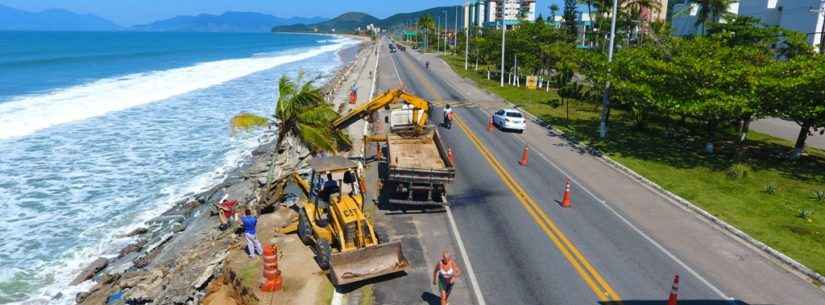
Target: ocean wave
{"x":26,"y":115}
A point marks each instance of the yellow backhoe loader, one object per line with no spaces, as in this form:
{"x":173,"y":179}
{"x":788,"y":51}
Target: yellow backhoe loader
{"x":332,"y":221}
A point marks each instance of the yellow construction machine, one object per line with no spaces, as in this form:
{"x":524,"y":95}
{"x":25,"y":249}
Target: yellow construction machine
{"x":415,"y":118}
{"x":332,"y":221}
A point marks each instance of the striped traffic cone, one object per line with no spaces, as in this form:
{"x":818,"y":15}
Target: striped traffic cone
{"x":272,"y":280}
{"x":673,"y":299}
{"x":450,"y":155}
{"x":490,"y":124}
{"x":565,"y":201}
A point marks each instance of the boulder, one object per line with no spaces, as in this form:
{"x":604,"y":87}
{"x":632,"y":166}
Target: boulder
{"x":134,"y":247}
{"x":91,"y":270}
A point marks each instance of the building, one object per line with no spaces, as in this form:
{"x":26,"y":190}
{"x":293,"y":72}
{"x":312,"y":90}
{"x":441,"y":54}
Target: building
{"x":492,"y":13}
{"x":805,"y":16}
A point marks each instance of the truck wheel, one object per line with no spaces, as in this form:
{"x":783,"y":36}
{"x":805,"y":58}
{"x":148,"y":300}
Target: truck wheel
{"x":304,"y":230}
{"x":324,"y":254}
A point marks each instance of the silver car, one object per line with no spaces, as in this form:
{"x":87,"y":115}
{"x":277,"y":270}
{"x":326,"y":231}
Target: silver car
{"x":510,"y":119}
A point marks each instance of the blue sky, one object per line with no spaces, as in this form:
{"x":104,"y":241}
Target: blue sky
{"x":131,"y":12}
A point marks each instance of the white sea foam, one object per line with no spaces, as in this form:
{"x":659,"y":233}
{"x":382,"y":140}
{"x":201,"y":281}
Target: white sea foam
{"x":29,"y":114}
{"x":102,"y":165}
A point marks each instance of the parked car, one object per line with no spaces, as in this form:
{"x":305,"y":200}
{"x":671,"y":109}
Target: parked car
{"x":510,"y":119}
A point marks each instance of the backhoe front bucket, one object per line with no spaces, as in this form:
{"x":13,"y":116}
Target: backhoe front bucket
{"x":358,"y":265}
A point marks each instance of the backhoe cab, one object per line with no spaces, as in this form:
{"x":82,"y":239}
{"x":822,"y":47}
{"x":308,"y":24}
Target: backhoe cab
{"x":333,"y":222}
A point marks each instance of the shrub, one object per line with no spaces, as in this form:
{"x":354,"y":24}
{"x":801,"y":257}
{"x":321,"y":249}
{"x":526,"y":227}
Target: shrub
{"x":738,"y":171}
{"x":806,"y":214}
{"x":771,"y":189}
{"x":819,"y":196}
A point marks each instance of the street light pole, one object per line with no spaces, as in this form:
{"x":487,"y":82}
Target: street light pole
{"x":437,"y":36}
{"x":606,"y":97}
{"x":821,"y":12}
{"x":446,"y":20}
{"x":467,"y":40}
{"x":503,"y":30}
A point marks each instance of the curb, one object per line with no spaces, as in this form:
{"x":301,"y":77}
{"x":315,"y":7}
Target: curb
{"x":684,"y":203}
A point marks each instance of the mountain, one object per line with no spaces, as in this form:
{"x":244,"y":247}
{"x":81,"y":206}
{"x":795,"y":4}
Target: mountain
{"x":400,"y":20}
{"x":348,"y":22}
{"x":12,"y":19}
{"x":226,"y":22}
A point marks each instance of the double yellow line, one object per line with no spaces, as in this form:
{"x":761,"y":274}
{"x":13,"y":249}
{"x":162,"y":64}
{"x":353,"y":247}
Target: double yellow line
{"x":583,"y":267}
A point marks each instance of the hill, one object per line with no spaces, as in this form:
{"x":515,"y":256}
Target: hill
{"x":348,"y":22}
{"x":226,"y":22}
{"x":12,"y":19}
{"x":344,"y":23}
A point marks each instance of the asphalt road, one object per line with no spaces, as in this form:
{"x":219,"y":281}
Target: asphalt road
{"x":525,"y":248}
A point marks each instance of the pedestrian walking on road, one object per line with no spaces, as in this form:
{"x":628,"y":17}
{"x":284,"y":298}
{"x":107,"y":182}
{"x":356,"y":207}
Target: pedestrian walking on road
{"x":446,"y":273}
{"x":252,"y":243}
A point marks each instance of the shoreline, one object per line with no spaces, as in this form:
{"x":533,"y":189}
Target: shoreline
{"x":152,"y":267}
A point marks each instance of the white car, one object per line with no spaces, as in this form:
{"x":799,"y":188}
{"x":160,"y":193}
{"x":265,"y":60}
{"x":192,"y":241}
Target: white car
{"x":510,"y":119}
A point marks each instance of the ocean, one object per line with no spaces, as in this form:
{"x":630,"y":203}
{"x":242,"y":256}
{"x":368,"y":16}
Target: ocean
{"x":102,"y":131}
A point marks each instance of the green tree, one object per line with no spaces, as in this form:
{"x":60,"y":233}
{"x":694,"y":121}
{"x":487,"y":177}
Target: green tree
{"x":796,"y":91}
{"x":426,"y":24}
{"x":301,"y":113}
{"x":570,"y":25}
{"x":711,"y":11}
{"x":704,"y":79}
{"x":554,"y":11}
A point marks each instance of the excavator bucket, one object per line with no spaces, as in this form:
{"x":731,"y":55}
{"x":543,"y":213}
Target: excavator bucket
{"x":366,"y":263}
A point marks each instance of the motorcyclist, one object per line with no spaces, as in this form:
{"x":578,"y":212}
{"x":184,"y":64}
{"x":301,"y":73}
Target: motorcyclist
{"x":448,"y":117}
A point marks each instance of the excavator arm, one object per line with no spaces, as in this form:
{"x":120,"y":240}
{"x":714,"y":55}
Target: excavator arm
{"x":421,"y":108}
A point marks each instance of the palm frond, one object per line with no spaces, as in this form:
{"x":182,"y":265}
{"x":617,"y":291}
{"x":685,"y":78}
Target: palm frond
{"x":246,"y":121}
{"x":316,"y":138}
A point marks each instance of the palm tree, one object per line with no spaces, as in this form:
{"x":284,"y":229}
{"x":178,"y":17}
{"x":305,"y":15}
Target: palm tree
{"x":301,"y":113}
{"x":426,"y":23}
{"x":554,"y":9}
{"x":711,"y":11}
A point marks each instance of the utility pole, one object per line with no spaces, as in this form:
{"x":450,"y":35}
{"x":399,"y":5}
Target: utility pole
{"x":437,"y":35}
{"x":455,"y":31}
{"x":467,"y":41}
{"x":503,"y":30}
{"x":445,"y":31}
{"x":821,"y":13}
{"x":606,"y":97}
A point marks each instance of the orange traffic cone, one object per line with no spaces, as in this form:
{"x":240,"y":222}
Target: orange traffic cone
{"x":674,"y":292}
{"x":523,"y":161}
{"x":565,"y":201}
{"x":450,"y":155}
{"x":490,"y":124}
{"x":272,"y":280}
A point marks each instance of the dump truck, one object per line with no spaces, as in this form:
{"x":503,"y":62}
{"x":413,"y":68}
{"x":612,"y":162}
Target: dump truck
{"x":331,"y":220}
{"x":418,"y":167}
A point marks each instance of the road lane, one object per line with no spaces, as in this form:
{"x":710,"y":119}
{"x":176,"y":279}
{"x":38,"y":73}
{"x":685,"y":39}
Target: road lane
{"x":489,"y":218}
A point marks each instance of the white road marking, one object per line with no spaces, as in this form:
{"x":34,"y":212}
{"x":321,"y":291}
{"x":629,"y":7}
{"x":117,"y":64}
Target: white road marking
{"x":454,"y":228}
{"x":628,"y":223}
{"x":470,"y":272}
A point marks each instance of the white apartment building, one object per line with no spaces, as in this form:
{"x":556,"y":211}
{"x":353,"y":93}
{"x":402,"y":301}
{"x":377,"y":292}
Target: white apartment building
{"x":492,"y":13}
{"x":805,"y":16}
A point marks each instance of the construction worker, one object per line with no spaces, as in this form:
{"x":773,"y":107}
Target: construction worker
{"x":250,"y":222}
{"x":446,"y":273}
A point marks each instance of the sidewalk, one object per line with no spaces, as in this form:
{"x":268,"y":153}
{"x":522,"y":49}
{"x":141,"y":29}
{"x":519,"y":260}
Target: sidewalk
{"x":737,"y":269}
{"x":786,"y":130}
